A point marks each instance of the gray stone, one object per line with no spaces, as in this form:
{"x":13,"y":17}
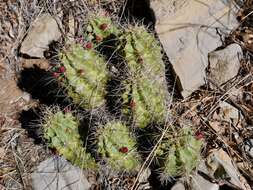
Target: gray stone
{"x":221,"y":166}
{"x":188,"y":31}
{"x":224,"y":64}
{"x":57,"y":173}
{"x":43,"y":31}
{"x":229,"y":113}
{"x":247,"y":147}
{"x":197,"y":182}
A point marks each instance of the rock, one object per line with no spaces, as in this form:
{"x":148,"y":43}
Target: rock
{"x":247,"y":147}
{"x":224,"y":64}
{"x":197,"y":182}
{"x":57,"y":173}
{"x":188,"y":32}
{"x":228,"y":113}
{"x":220,"y":166}
{"x":31,"y":63}
{"x":144,"y":176}
{"x":43,"y":32}
{"x":179,"y":185}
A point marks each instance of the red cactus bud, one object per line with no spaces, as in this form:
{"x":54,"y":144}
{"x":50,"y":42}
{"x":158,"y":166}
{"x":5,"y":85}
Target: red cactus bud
{"x":123,"y":149}
{"x":132,"y":104}
{"x":103,"y":26}
{"x":56,"y":74}
{"x":89,"y":45}
{"x":98,"y":39}
{"x":62,"y":69}
{"x":199,"y":135}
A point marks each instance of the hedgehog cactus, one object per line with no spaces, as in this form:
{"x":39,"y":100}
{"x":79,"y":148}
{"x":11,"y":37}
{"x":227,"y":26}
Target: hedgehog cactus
{"x":61,"y":131}
{"x":118,"y":148}
{"x":181,"y":154}
{"x":85,"y":76}
{"x":147,"y":82}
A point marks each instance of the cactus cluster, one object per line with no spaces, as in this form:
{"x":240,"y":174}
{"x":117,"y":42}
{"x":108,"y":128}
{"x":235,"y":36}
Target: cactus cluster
{"x":84,"y":73}
{"x":61,"y":132}
{"x":181,"y":154}
{"x":118,"y":147}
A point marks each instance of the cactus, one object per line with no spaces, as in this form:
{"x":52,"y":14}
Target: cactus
{"x":142,"y":52}
{"x":61,"y":132}
{"x":147,"y":83}
{"x":99,"y":28}
{"x":118,"y":148}
{"x":85,"y":76}
{"x":180,"y":155}
{"x":147,"y":102}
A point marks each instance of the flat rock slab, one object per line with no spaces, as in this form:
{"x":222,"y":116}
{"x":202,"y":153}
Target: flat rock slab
{"x":57,"y":173}
{"x":221,"y":166}
{"x":188,"y":31}
{"x":44,"y":30}
{"x":224,"y":64}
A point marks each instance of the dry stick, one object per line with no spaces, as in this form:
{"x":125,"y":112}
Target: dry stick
{"x":219,"y":100}
{"x":247,"y":15}
{"x":123,"y":10}
{"x":230,"y":149}
{"x":150,"y":156}
{"x":19,"y":170}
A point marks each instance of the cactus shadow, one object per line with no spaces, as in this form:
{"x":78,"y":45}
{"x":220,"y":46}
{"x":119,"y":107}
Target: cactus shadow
{"x":30,"y":121}
{"x":145,"y":146}
{"x":116,"y":68}
{"x":140,"y":10}
{"x":42,"y":86}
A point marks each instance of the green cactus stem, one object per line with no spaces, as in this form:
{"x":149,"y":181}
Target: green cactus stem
{"x":85,"y":77}
{"x":61,"y":132}
{"x":146,"y":82}
{"x":181,"y":154}
{"x":118,"y":148}
{"x":147,"y":103}
{"x":142,"y":52}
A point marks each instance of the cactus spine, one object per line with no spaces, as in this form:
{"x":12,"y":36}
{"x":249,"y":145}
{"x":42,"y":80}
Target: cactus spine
{"x":61,"y":132}
{"x":118,"y":148}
